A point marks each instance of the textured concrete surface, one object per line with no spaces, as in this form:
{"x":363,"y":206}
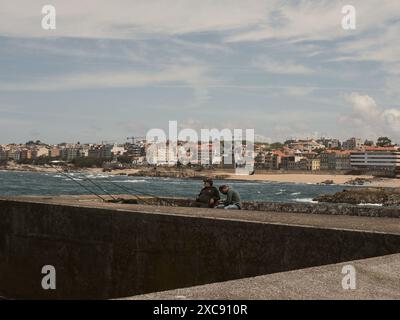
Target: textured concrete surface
{"x":376,"y":278}
{"x":104,"y":250}
{"x":332,"y":209}
{"x":344,"y":222}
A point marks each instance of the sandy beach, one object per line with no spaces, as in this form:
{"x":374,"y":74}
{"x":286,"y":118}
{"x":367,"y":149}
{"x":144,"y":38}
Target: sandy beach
{"x":298,"y":178}
{"x":319,"y":178}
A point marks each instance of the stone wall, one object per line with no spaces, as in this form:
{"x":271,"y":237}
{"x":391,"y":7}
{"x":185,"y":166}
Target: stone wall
{"x":313,"y":208}
{"x":108,"y":253}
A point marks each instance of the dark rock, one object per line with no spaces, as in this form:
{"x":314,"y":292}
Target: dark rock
{"x":327,"y":182}
{"x":386,"y":197}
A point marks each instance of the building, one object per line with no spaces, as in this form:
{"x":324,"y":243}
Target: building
{"x":342,"y":160}
{"x":117,"y":150}
{"x":14,"y":154}
{"x":330,"y":143}
{"x":335,"y":160}
{"x":260,"y":159}
{"x":314,"y":164}
{"x":25,"y":154}
{"x":289,"y":162}
{"x":3,"y":155}
{"x":327,"y":161}
{"x":303,"y":164}
{"x":103,"y":151}
{"x":135,"y":150}
{"x":376,"y":160}
{"x":161,"y":154}
{"x":54,"y":152}
{"x":40,"y":152}
{"x":305,"y":145}
{"x":276,"y":160}
{"x":352,"y":144}
{"x":71,"y":153}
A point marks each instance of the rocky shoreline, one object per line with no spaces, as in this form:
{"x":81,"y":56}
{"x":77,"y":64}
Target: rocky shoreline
{"x":360,"y":196}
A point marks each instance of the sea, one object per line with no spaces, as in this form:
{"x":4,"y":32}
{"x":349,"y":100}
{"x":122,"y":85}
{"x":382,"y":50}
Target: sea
{"x":15,"y":183}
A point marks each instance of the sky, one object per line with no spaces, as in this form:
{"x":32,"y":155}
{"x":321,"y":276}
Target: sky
{"x":115,"y":69}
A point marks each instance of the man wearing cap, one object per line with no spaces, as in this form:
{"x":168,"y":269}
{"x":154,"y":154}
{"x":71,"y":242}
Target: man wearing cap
{"x":208,"y":196}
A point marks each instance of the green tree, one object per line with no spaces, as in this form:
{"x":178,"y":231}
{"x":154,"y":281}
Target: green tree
{"x":88,"y":162}
{"x":276,"y":146}
{"x":124,"y":159}
{"x":384,"y":142}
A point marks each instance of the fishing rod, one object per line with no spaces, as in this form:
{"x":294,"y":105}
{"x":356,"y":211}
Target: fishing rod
{"x":115,"y":184}
{"x":99,"y":186}
{"x":140,"y":192}
{"x":77,"y":182}
{"x":128,"y":191}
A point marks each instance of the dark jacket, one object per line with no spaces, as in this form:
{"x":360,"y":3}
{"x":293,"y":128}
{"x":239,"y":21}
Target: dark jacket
{"x":208,"y":193}
{"x":232,"y":197}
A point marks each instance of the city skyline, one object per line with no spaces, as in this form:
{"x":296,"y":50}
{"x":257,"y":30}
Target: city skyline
{"x":285,"y":68}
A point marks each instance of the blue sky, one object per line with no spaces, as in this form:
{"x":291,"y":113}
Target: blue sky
{"x":114,"y":69}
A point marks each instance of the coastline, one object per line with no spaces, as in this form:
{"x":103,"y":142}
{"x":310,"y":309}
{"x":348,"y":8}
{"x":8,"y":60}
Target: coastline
{"x":297,"y":178}
{"x":339,"y":179}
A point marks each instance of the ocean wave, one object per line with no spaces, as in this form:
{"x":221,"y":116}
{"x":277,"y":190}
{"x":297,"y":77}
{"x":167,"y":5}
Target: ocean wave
{"x":295,"y":193}
{"x":97,"y":176}
{"x":371,"y":204}
{"x":306,"y":200}
{"x":242,"y":183}
{"x":128,"y":181}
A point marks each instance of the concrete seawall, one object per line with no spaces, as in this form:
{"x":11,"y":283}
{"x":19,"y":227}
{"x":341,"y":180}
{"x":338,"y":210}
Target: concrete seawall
{"x":311,"y":208}
{"x":110,"y":251}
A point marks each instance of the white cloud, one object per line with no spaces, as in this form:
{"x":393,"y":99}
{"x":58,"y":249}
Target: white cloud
{"x":312,"y":20}
{"x":289,"y":67}
{"x":174,"y":76}
{"x":382,"y":45}
{"x":244,"y":20}
{"x":367,"y":119}
{"x":127,"y":19}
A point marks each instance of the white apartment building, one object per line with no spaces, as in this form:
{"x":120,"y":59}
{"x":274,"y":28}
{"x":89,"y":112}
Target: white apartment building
{"x":375,"y":160}
{"x":161,"y":154}
{"x":40,"y":152}
{"x":118,"y":150}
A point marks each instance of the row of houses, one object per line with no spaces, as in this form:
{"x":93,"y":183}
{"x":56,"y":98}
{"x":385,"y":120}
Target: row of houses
{"x":373,"y":158}
{"x":68,"y":152}
{"x":324,"y":143}
{"x":20,"y":154}
{"x":308,"y":156}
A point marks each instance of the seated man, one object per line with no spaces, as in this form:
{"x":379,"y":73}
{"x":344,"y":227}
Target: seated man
{"x":232,"y":200}
{"x":208,"y":196}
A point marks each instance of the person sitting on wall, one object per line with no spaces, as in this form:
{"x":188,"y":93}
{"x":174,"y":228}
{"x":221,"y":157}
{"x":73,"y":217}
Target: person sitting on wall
{"x":232,"y":200}
{"x":208,"y":196}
